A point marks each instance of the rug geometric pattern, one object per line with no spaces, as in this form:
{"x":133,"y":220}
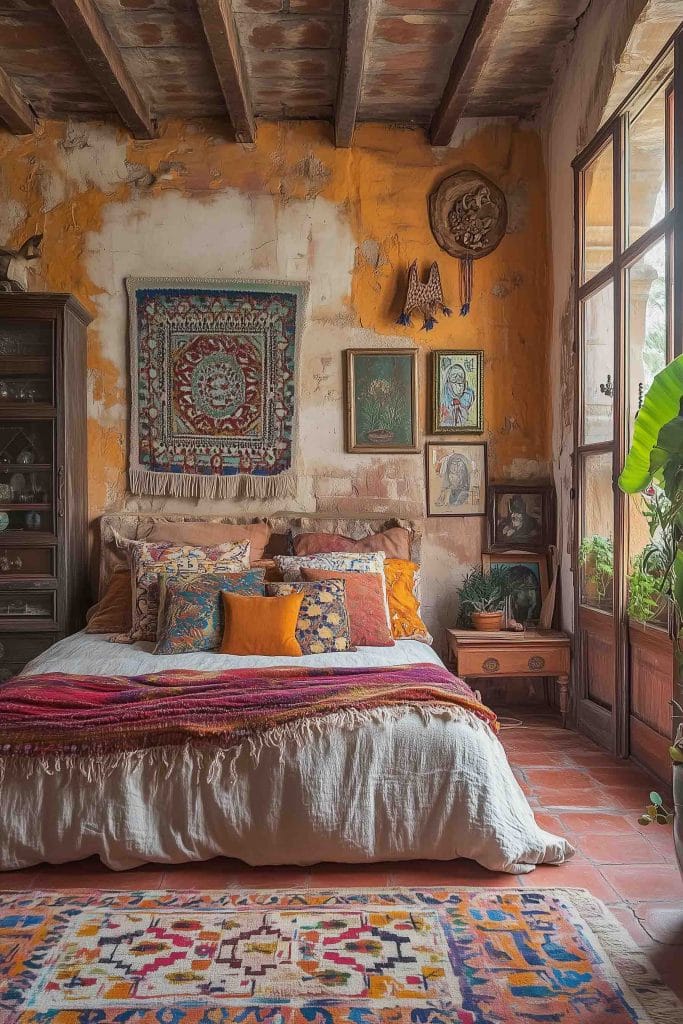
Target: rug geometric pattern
{"x":431,"y":956}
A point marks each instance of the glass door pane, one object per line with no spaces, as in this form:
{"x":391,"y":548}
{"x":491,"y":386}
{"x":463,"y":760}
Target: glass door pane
{"x":26,"y":476}
{"x":598,"y":214}
{"x":646,"y":181}
{"x":26,"y":363}
{"x":647,"y":319}
{"x":596,"y":550}
{"x":597,"y":314}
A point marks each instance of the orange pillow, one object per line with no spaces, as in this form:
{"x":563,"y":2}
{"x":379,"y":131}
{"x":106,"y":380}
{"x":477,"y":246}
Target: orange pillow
{"x":394,"y":542}
{"x":261,"y":625}
{"x":203,"y":534}
{"x":365,"y":604}
{"x":404,"y":607}
{"x":113,"y":612}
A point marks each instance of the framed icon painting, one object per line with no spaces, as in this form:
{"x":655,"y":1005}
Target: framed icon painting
{"x":457,"y":392}
{"x":521,"y":517}
{"x":456,"y":478}
{"x":381,"y":400}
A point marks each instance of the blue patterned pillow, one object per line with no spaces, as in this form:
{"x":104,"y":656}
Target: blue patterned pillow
{"x":323,"y":625}
{"x":191,"y":610}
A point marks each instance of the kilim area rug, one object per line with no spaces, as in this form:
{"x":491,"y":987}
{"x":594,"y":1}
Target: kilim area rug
{"x":403,"y":956}
{"x":213,"y":369}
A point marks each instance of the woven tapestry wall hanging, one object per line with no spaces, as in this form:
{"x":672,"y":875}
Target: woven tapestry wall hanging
{"x":213,"y":372}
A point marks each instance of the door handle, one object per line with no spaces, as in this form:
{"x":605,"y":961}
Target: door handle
{"x":60,"y":492}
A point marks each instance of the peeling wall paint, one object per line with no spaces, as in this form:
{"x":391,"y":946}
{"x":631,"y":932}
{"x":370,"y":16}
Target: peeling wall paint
{"x":292,"y":206}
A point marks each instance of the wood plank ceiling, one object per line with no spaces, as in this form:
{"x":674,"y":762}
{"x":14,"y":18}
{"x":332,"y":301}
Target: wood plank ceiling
{"x":424,"y":62}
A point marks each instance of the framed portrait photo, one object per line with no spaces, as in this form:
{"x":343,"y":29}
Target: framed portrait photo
{"x":456,"y":478}
{"x":528,"y":576}
{"x":381,"y":400}
{"x":457,"y":392}
{"x":521,"y":517}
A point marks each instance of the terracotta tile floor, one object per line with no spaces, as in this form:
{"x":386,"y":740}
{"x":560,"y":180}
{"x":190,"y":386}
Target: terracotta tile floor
{"x":576,"y":790}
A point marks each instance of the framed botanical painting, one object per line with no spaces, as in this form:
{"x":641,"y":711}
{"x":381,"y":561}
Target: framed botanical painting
{"x":457,"y":392}
{"x":456,"y":478}
{"x":381,"y":400}
{"x":528,"y":576}
{"x":521,"y":517}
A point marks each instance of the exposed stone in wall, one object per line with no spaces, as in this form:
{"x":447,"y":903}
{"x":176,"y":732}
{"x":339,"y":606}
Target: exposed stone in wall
{"x":292,"y":206}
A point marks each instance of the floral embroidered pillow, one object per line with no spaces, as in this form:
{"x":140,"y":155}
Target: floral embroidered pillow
{"x":323,"y":625}
{"x":149,"y":561}
{"x":191,"y":609}
{"x":291,"y":565}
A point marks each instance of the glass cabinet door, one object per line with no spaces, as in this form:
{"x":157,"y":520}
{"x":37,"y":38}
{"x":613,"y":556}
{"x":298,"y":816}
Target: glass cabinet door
{"x":26,"y":363}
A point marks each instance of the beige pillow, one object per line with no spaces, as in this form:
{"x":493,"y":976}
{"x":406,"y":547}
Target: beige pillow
{"x":209,"y":534}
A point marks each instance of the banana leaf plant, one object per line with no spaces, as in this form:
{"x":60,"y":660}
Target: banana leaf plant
{"x":656,"y":459}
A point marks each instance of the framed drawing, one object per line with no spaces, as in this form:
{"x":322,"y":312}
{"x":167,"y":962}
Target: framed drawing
{"x":381,"y":400}
{"x":456,"y":478}
{"x":521,"y":517}
{"x":457,"y":392}
{"x":529,"y":582}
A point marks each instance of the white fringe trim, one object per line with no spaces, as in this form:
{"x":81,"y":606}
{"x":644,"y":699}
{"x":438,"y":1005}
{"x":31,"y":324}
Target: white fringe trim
{"x":196,"y":485}
{"x":211,"y":760}
{"x":647,"y":990}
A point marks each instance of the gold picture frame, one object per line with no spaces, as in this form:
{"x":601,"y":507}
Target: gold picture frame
{"x":382,"y":394}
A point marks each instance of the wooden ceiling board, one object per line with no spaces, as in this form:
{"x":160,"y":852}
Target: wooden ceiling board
{"x":409,"y":55}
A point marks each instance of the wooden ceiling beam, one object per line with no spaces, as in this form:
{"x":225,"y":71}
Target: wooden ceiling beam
{"x":473,"y":53}
{"x":220,"y":30}
{"x":86,"y":28}
{"x":356,"y":29}
{"x":15,"y":113}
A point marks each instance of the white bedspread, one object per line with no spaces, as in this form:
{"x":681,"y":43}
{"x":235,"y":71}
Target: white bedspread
{"x":394,"y":786}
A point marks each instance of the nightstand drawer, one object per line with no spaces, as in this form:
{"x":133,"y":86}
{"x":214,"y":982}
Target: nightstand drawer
{"x":513,"y":660}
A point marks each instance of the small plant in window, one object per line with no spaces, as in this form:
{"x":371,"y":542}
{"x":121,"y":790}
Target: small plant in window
{"x":596,"y":556}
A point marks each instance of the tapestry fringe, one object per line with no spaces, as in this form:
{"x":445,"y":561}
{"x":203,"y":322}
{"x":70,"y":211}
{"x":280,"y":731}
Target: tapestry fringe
{"x":211,"y":760}
{"x":194,"y":485}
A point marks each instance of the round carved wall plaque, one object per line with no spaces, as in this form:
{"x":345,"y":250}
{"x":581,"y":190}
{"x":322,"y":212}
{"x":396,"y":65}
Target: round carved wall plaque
{"x":468,"y":215}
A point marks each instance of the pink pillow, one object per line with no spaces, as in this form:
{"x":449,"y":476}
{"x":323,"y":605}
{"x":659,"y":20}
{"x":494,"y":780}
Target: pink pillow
{"x":370,"y":626}
{"x":394,"y":542}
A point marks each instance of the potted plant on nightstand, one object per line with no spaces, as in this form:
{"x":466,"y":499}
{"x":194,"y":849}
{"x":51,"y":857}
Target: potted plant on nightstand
{"x":655,"y":461}
{"x":482,"y":597}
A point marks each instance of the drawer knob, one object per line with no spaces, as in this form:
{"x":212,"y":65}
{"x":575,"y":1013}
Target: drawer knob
{"x":536,"y":662}
{"x":491,"y":665}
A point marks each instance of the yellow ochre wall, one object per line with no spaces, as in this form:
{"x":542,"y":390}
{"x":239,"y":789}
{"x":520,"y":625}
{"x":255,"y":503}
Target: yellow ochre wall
{"x":292,"y":206}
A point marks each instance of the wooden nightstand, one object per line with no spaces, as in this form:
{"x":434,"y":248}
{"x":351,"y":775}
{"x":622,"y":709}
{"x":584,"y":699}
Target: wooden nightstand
{"x":501,"y":653}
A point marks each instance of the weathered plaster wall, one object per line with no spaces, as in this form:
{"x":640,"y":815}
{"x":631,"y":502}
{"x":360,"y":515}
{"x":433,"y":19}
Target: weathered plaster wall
{"x":614,"y":44}
{"x":292,"y":206}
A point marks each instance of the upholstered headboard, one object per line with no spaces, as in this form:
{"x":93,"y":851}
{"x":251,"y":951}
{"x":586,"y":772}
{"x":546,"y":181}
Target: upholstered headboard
{"x":137,"y":526}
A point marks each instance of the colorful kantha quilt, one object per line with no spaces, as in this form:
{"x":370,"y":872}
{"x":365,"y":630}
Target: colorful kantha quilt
{"x":66,"y":715}
{"x":213,"y":369}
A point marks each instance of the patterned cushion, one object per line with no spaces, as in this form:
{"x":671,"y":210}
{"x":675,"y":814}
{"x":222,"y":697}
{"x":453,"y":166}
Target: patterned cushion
{"x":148,"y":561}
{"x":291,"y":565}
{"x":365,"y":601}
{"x":404,"y":606}
{"x":323,"y":624}
{"x":191,"y":610}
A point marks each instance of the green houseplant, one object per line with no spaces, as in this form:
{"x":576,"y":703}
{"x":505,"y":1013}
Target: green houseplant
{"x":482,"y":597}
{"x":596,"y":556}
{"x":655,"y":462}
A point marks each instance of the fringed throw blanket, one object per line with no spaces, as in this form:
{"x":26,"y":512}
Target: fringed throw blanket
{"x":53,"y":717}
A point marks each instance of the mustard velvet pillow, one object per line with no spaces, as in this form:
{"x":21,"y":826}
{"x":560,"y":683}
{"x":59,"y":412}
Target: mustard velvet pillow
{"x":261,"y":625}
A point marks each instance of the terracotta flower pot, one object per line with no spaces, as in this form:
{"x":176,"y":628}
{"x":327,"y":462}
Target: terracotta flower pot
{"x":487,"y":621}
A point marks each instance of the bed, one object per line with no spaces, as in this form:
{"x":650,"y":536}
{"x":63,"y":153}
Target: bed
{"x":423,"y":780}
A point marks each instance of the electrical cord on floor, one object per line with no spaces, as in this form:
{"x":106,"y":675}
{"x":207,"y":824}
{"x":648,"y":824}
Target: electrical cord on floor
{"x":506,"y":722}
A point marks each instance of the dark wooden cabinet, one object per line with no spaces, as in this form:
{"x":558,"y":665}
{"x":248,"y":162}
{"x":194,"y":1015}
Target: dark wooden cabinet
{"x":43,"y":474}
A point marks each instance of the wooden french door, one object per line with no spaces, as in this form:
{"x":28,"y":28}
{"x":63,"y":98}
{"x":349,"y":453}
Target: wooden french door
{"x":628,"y":315}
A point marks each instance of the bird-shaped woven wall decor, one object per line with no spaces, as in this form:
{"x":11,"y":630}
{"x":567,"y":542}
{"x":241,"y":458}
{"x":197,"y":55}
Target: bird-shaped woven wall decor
{"x":425,"y":298}
{"x":15,"y":265}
